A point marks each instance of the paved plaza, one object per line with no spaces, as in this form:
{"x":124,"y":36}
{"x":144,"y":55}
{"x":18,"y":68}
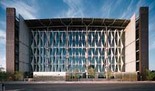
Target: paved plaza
{"x":80,"y":86}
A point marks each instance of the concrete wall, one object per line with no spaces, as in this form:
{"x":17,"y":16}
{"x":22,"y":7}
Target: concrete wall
{"x":10,"y":39}
{"x":23,"y":45}
{"x":49,"y":73}
{"x":143,"y":41}
{"x":130,"y":51}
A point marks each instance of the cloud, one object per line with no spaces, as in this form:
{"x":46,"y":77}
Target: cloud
{"x":106,"y":8}
{"x":151,"y":6}
{"x":132,"y":8}
{"x":2,"y":47}
{"x":152,"y":45}
{"x":2,"y":43}
{"x":3,"y":24}
{"x":151,"y":26}
{"x":2,"y":37}
{"x":75,"y":9}
{"x":3,"y":61}
{"x":28,"y":11}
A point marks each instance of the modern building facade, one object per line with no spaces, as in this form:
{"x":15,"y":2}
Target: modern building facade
{"x":61,"y":46}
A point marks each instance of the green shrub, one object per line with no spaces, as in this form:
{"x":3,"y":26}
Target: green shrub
{"x":3,"y":76}
{"x":18,"y":75}
{"x":150,"y":75}
{"x":6,"y":76}
{"x":91,"y":72}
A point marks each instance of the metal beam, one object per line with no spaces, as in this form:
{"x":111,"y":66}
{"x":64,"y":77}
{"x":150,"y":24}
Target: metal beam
{"x":74,"y":26}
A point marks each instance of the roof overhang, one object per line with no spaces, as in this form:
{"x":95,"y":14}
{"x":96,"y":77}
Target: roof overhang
{"x":77,"y":22}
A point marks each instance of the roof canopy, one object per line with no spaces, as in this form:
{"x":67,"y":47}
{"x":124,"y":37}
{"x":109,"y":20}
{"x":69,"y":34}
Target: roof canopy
{"x":77,"y":22}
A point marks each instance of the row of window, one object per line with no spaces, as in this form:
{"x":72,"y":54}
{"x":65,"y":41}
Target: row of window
{"x":80,"y":68}
{"x":54,"y":50}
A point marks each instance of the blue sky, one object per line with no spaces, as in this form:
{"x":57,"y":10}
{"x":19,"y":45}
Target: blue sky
{"x":32,"y":9}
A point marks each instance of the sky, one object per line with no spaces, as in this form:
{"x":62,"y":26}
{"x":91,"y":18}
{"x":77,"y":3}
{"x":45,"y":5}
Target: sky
{"x":33,"y":9}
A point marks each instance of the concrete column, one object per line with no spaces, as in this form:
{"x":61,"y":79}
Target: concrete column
{"x":10,"y":39}
{"x":143,"y":41}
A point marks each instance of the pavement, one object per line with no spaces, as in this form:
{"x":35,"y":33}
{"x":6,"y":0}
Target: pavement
{"x":80,"y":86}
{"x":71,"y":82}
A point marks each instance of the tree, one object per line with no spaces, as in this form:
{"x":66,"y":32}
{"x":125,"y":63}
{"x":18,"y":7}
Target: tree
{"x":150,"y":75}
{"x":91,"y":72}
{"x":76,"y":74}
{"x":1,"y":69}
{"x":3,"y":76}
{"x":108,"y":74}
{"x":6,"y":76}
{"x":18,"y":75}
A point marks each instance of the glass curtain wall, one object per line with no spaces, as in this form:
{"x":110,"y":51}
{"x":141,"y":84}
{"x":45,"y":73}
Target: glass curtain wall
{"x":67,"y":51}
